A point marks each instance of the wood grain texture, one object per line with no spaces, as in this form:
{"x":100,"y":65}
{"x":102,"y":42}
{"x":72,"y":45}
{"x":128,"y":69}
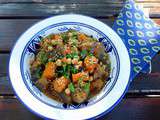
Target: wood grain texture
{"x":5,"y":86}
{"x":136,"y":109}
{"x":4,"y":60}
{"x":128,"y":109}
{"x":11,"y":29}
{"x":12,"y":108}
{"x":62,"y":1}
{"x":157,"y":21}
{"x":46,"y":10}
{"x":38,"y":8}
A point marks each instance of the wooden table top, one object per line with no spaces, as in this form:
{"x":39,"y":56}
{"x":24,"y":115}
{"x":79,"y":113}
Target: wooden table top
{"x":142,"y":101}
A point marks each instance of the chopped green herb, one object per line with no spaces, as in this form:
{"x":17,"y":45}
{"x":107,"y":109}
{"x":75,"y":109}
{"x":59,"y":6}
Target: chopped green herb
{"x":80,"y":80}
{"x":87,"y":87}
{"x":74,"y":42}
{"x":66,"y":75}
{"x":83,"y":53}
{"x":65,"y":37}
{"x":49,"y":36}
{"x":37,"y":73}
{"x":90,"y":54}
{"x":74,"y":34}
{"x":65,"y":68}
{"x":74,"y":55}
{"x":74,"y":70}
{"x":43,"y":57}
{"x":55,"y":43}
{"x":71,"y":87}
{"x":69,"y":56}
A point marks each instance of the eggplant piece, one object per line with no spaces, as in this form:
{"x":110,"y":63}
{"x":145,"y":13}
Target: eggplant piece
{"x":66,"y":99}
{"x":79,"y":95}
{"x":41,"y":84}
{"x":96,"y":85}
{"x":100,"y":73}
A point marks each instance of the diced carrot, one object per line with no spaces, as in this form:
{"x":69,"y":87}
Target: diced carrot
{"x":56,"y":37}
{"x":60,"y":84}
{"x":64,"y":60}
{"x":90,"y":63}
{"x":82,"y":75}
{"x":67,"y":50}
{"x":49,"y":71}
{"x":82,"y":37}
{"x":91,"y":67}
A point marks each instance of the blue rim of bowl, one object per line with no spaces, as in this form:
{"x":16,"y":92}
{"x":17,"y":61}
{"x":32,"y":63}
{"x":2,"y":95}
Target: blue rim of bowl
{"x":94,"y":117}
{"x":62,"y":24}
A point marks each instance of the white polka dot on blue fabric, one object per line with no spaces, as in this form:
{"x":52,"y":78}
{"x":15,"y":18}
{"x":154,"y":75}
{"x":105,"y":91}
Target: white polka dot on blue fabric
{"x":137,"y":16}
{"x":120,"y":31}
{"x":147,"y":25}
{"x":120,"y":22}
{"x":150,"y":34}
{"x":129,"y":23}
{"x":138,"y":25}
{"x":128,"y":14}
{"x":140,"y":35}
{"x":128,"y":6}
{"x":131,"y":42}
{"x":142,"y":42}
{"x":130,"y":33}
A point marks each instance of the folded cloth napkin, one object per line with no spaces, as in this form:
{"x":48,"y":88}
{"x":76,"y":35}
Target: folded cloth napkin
{"x":140,"y":35}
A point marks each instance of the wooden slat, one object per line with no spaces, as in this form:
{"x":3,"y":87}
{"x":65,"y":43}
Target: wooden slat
{"x":4,"y":59}
{"x":157,"y":21}
{"x":144,"y":83}
{"x":147,"y":1}
{"x":128,"y":109}
{"x":136,"y":109}
{"x":75,"y":1}
{"x":94,"y":9}
{"x":98,"y":10}
{"x":155,"y":11}
{"x":11,"y":29}
{"x":62,"y":1}
{"x":11,"y":109}
{"x":5,"y":86}
{"x":47,"y":8}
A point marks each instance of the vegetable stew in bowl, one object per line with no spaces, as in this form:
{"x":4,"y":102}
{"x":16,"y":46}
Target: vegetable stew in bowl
{"x":70,"y":67}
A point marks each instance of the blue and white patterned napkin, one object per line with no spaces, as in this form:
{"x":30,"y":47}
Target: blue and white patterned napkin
{"x":140,"y":35}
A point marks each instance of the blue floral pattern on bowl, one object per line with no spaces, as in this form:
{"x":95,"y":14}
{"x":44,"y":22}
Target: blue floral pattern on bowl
{"x":32,"y":45}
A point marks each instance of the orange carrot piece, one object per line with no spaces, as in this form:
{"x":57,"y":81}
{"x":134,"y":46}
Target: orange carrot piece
{"x":56,"y":37}
{"x":82,"y":75}
{"x":82,"y":37}
{"x":90,"y":63}
{"x":49,"y":71}
{"x":60,"y":84}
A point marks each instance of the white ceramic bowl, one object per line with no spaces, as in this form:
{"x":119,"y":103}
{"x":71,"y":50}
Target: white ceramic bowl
{"x":40,"y":104}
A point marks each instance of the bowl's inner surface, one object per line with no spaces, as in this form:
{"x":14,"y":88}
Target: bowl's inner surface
{"x":29,"y":53}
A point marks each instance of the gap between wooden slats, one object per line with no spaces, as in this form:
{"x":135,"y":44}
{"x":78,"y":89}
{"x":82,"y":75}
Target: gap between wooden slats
{"x":127,"y":109}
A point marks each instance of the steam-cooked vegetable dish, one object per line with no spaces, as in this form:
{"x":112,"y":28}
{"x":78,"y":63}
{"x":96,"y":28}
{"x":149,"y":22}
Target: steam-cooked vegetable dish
{"x":70,"y":67}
